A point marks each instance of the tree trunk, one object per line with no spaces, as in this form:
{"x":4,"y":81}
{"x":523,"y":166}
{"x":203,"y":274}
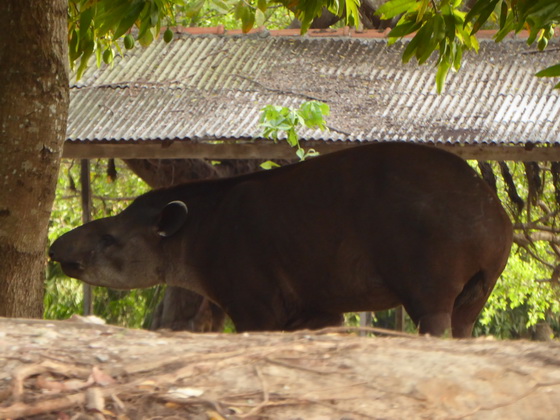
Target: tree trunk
{"x":33,"y":114}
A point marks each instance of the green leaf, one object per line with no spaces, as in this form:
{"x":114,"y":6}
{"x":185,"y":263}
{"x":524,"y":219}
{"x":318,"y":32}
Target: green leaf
{"x":307,"y":10}
{"x":276,"y":118}
{"x":144,"y":24}
{"x":503,"y":14}
{"x":410,"y":49}
{"x":441,"y":75}
{"x":147,"y":38}
{"x":73,"y":46}
{"x":450,"y":29}
{"x":549,"y":31}
{"x":87,"y":53}
{"x":246,"y":15}
{"x":444,"y":47}
{"x":86,"y":17}
{"x":98,"y":55}
{"x":262,"y":5}
{"x":535,"y":28}
{"x":506,"y":28}
{"x":426,"y":46}
{"x":129,"y":19}
{"x":293,"y":139}
{"x":259,"y":17}
{"x":269,"y":165}
{"x":439,"y":31}
{"x":457,"y":59}
{"x":400,"y":31}
{"x":552,"y":71}
{"x":480,"y":7}
{"x":475,"y":44}
{"x":352,"y":12}
{"x":312,"y":114}
{"x":422,"y":10}
{"x":194,"y":8}
{"x":541,"y":11}
{"x":222,"y":7}
{"x":543,"y":42}
{"x":484,"y":15}
{"x":396,"y":7}
{"x":311,"y":153}
{"x":154,"y":14}
{"x":110,"y":15}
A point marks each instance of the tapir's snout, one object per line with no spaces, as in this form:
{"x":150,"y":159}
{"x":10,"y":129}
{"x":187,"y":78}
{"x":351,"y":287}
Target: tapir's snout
{"x":56,"y":251}
{"x":59,"y":252}
{"x":53,"y":255}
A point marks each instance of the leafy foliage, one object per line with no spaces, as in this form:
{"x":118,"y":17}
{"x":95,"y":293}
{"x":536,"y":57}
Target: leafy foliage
{"x":276,"y":120}
{"x":527,"y":292}
{"x":520,"y":299}
{"x":94,"y":27}
{"x":233,"y":13}
{"x":440,"y":29}
{"x":443,"y":27}
{"x":307,"y":10}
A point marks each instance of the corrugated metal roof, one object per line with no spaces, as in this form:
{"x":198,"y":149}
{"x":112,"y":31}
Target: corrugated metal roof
{"x":211,"y":87}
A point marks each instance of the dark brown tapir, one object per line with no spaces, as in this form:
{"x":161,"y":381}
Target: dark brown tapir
{"x":364,"y":229}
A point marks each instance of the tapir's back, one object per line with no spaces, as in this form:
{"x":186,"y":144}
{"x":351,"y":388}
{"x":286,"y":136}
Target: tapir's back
{"x":369,"y":228}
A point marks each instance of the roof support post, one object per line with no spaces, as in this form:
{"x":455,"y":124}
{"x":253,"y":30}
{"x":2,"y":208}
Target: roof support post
{"x":399,"y":319}
{"x":365,"y":321}
{"x":86,"y":217}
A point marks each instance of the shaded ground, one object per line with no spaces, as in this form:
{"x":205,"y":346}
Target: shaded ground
{"x":76,"y":370}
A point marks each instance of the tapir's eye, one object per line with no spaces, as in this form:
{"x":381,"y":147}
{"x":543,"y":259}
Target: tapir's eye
{"x":108,"y":240}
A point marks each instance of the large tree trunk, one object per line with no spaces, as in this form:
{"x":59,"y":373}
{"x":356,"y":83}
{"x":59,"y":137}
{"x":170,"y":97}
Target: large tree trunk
{"x":33,"y":113}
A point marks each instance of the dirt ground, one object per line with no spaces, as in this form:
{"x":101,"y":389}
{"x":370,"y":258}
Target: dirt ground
{"x":77,"y":370}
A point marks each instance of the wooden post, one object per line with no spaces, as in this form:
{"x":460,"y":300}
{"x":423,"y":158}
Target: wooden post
{"x":86,"y":217}
{"x":399,"y":318}
{"x":365,"y":321}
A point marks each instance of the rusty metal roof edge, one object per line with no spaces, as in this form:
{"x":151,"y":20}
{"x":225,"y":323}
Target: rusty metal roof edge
{"x":346,"y":31}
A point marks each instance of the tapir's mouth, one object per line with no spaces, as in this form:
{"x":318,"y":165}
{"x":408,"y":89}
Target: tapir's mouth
{"x":72,"y":269}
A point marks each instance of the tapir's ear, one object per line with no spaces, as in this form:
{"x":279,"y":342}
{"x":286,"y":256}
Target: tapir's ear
{"x":172,"y":218}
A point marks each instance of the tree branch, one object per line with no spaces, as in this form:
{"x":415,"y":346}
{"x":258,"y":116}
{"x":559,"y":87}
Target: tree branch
{"x":525,"y":239}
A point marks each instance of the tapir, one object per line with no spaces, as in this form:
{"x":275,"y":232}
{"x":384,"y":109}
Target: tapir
{"x":367,"y":228}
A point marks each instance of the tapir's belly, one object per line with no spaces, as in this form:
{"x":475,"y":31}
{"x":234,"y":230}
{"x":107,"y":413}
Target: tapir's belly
{"x":355,"y":295}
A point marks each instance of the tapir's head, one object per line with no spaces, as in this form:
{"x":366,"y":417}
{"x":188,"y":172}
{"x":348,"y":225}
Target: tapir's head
{"x":125,"y":251}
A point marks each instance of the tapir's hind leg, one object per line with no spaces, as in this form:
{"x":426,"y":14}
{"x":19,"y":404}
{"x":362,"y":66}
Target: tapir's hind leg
{"x":435,"y":324}
{"x":429,"y":306}
{"x":470,"y":302}
{"x":431,"y":314}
